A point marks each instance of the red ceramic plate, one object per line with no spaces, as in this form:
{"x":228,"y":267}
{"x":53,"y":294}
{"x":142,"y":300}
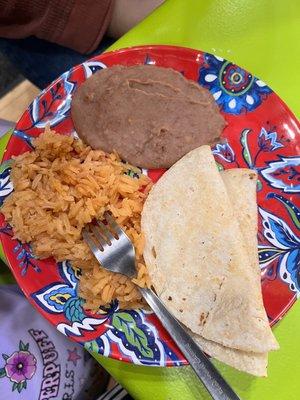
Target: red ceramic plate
{"x":261,"y":134}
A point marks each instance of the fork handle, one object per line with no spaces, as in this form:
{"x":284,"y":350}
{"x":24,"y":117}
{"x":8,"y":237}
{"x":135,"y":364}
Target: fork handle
{"x":205,"y":370}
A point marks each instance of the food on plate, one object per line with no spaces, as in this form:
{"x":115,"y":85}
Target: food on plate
{"x":250,"y":362}
{"x":152,"y":116}
{"x":192,"y":236}
{"x":241,"y":188}
{"x":63,"y":185}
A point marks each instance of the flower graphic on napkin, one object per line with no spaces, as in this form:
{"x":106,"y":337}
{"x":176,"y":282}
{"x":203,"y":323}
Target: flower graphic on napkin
{"x":19,"y":367}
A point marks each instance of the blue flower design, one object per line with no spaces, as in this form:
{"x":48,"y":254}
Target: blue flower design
{"x":233,"y":88}
{"x":56,"y":297}
{"x":23,"y":136}
{"x":284,"y":245}
{"x":267,"y":141}
{"x":62,"y":298}
{"x":224,"y":151}
{"x":149,"y":60}
{"x":43,"y":112}
{"x":26,"y":258}
{"x":283,"y":174}
{"x":6,"y":186}
{"x":23,"y":252}
{"x":91,"y":67}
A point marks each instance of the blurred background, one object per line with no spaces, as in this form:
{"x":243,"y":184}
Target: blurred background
{"x":16,"y":92}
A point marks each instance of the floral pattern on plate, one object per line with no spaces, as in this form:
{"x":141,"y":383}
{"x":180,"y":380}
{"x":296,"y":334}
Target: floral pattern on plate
{"x":233,"y":88}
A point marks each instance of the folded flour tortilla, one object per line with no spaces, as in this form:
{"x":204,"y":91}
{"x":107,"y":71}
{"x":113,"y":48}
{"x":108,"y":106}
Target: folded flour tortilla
{"x":241,"y":184}
{"x":197,"y":258}
{"x":241,"y":188}
{"x":252,"y":363}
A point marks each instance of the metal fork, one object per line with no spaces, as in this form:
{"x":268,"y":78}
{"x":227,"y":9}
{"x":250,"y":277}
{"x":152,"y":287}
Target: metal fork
{"x":115,"y":252}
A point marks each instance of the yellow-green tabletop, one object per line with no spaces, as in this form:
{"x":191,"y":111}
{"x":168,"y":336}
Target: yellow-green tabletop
{"x":262,"y":36}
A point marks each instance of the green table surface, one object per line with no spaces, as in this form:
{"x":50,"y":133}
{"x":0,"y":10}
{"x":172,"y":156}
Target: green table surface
{"x":261,"y":36}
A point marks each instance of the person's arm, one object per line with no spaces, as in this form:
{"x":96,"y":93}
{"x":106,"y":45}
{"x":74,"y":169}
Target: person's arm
{"x":78,"y":24}
{"x":128,"y":13}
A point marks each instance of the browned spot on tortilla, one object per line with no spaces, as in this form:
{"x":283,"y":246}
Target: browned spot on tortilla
{"x":170,"y":298}
{"x":153,"y":251}
{"x":203,"y":318}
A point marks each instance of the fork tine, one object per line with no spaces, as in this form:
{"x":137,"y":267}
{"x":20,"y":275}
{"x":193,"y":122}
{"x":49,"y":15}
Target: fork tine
{"x":87,"y":236}
{"x":114,"y":254}
{"x":98,"y":235}
{"x":113,"y":224}
{"x":105,"y":232}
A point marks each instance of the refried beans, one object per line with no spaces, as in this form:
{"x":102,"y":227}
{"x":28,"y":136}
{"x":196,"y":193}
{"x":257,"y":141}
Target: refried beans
{"x":150,"y":115}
